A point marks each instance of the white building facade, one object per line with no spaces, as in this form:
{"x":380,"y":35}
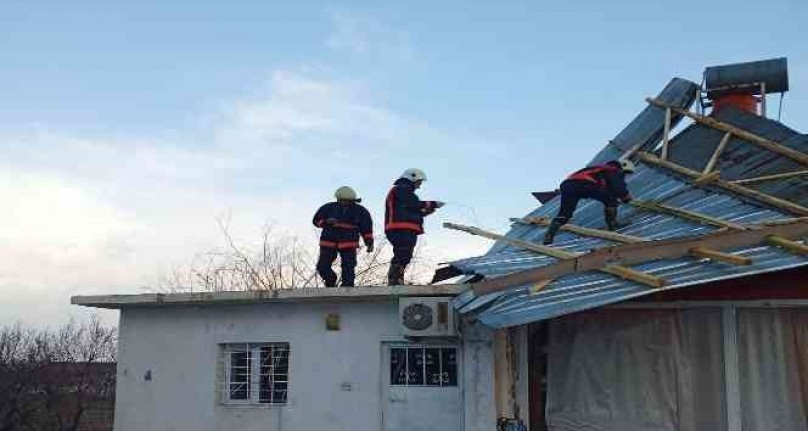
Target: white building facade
{"x":311,"y":359}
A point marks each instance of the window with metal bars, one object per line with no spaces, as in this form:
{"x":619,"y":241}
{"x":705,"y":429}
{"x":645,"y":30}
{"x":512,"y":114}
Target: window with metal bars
{"x":256,"y":373}
{"x":423,"y":366}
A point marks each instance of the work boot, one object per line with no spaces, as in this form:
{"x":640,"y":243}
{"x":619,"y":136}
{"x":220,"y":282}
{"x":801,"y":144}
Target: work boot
{"x":610,"y":214}
{"x":328,"y":276}
{"x":395,"y":275}
{"x":549,"y":236}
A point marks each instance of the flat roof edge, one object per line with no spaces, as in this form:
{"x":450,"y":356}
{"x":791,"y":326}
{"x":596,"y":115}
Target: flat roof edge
{"x":338,"y":294}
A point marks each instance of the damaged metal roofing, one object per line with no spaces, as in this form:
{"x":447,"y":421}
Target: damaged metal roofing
{"x":691,"y":148}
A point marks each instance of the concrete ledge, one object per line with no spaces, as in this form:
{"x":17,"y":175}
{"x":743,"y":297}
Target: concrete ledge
{"x":338,"y":294}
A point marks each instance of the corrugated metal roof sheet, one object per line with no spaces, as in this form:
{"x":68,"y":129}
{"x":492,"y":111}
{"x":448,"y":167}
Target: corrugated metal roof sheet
{"x":645,"y":128}
{"x":692,"y":148}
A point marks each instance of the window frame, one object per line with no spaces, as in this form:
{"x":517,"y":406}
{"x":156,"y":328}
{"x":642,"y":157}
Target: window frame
{"x":254,"y":381}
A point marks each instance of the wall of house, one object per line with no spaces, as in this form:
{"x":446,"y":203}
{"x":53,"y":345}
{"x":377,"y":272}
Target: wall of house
{"x":168,"y":369}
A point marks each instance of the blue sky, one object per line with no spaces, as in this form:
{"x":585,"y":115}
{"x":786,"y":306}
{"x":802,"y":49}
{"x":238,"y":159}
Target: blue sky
{"x":127,"y":128}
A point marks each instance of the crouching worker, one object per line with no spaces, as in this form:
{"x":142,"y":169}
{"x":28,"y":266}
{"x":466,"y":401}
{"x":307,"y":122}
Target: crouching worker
{"x":404,"y":216}
{"x":605,"y":183}
{"x":342,"y":222}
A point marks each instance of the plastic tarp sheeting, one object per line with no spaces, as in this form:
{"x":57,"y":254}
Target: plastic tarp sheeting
{"x":773,"y":361}
{"x":638,"y":370}
{"x":660,"y":370}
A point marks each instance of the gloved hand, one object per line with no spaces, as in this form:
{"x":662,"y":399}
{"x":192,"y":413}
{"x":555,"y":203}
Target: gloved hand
{"x":369,"y":247}
{"x":439,"y":204}
{"x":626,"y":199}
{"x":331,"y":221}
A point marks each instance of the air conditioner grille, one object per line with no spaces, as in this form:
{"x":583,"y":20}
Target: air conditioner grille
{"x":417,"y":317}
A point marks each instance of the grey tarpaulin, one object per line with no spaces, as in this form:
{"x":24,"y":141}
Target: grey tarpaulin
{"x":639,"y":370}
{"x":650,"y":370}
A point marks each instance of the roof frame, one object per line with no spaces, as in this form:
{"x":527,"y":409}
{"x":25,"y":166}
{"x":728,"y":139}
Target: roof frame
{"x":750,"y":137}
{"x":773,"y":177}
{"x":627,"y":254}
{"x":616,"y":270}
{"x":684,"y":214}
{"x":726,"y":185}
{"x":698,"y":252}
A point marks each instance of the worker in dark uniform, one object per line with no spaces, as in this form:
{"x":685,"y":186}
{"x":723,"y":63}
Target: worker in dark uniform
{"x":404,"y":216}
{"x":605,"y":183}
{"x":342,"y":222}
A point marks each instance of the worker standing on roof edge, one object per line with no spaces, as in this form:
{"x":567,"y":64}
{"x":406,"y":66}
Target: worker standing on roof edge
{"x":605,"y":183}
{"x":342,"y":223}
{"x":404,"y":216}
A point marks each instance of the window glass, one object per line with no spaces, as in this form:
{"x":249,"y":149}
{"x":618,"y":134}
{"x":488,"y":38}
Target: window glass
{"x":423,"y":366}
{"x":239,"y":383}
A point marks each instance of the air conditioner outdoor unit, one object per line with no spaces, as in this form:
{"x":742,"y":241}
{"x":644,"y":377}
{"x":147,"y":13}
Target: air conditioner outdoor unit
{"x":426,"y":317}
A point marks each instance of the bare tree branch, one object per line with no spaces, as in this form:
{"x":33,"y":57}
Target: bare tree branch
{"x":280,"y":262}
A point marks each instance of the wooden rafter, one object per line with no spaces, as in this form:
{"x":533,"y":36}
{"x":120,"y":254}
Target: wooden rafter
{"x":616,"y":270}
{"x":760,"y":141}
{"x":708,"y":253}
{"x":684,"y":214}
{"x":726,"y":185}
{"x":628,"y":254}
{"x":707,"y":178}
{"x":717,"y":153}
{"x":787,"y":244}
{"x":700,"y":252}
{"x":666,"y":134}
{"x":585,"y":231}
{"x":763,"y":179}
{"x":538,"y":248}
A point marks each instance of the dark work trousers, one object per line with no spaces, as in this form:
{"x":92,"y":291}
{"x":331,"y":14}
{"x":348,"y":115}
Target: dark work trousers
{"x":574,"y":190}
{"x":403,"y":242}
{"x":347,"y":258}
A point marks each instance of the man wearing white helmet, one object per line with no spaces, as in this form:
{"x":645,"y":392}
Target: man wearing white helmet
{"x":342,"y":222}
{"x":605,"y":183}
{"x":404,"y":216}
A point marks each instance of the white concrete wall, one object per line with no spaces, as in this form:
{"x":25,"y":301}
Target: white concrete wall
{"x":480,"y":413}
{"x":178,"y":346}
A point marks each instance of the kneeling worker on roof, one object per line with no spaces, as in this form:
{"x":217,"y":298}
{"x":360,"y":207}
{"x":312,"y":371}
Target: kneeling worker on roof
{"x":404,"y":216}
{"x":605,"y":183}
{"x":342,"y":223}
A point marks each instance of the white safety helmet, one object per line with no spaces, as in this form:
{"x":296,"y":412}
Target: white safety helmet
{"x":414,"y":174}
{"x":346,"y":193}
{"x":628,"y":166}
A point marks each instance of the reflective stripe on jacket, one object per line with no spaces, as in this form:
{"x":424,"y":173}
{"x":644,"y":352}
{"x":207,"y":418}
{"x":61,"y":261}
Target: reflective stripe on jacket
{"x":609,"y":177}
{"x":353,"y":220}
{"x":403,"y":210}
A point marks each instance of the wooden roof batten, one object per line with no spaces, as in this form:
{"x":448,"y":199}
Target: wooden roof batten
{"x":726,"y":185}
{"x":639,"y":252}
{"x":563,"y":255}
{"x":747,"y":136}
{"x":698,"y":252}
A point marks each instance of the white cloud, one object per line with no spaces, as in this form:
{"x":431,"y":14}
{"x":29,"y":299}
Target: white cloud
{"x":298,"y":107}
{"x":89,"y":215}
